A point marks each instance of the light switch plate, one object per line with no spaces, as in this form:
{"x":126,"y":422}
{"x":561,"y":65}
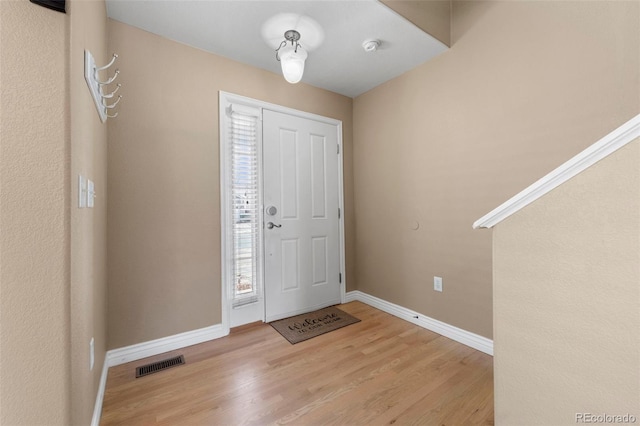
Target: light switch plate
{"x":82,"y":192}
{"x":92,"y":356}
{"x":437,"y":283}
{"x":91,"y":193}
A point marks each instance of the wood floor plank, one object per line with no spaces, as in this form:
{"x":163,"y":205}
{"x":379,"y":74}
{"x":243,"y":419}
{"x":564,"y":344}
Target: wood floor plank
{"x":382,"y":370}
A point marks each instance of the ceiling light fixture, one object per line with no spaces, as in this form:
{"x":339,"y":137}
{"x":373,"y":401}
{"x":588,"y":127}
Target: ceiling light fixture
{"x":291,"y":57}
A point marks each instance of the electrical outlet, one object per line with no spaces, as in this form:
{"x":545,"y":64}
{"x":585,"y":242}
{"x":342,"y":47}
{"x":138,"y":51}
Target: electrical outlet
{"x":437,"y":284}
{"x":91,"y":354}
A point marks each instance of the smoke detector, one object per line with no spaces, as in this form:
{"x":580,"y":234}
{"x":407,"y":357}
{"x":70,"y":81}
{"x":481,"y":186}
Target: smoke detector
{"x":371,"y":45}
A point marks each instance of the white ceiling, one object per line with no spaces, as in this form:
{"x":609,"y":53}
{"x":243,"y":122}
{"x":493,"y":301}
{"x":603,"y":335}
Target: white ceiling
{"x":340,"y":64}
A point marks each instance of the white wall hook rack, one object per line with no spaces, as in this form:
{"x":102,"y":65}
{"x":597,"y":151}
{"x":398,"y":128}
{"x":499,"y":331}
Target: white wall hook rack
{"x":96,"y":85}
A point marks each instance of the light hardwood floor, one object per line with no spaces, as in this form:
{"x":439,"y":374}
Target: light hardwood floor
{"x":382,"y":370}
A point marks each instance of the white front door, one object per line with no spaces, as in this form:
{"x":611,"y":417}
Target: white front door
{"x":301,"y":216}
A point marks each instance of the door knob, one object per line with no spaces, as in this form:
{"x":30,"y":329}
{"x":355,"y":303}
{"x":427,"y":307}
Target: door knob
{"x":271,"y":225}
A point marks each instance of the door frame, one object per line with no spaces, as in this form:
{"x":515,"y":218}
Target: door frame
{"x":226,"y":99}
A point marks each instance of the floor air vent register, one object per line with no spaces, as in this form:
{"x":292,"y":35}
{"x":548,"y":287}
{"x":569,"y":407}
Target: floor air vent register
{"x":145,"y":370}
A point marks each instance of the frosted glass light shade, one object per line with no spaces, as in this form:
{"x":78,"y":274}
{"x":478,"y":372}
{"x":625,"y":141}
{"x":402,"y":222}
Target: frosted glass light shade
{"x":292,"y":62}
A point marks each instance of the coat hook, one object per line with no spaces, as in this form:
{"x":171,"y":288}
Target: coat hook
{"x":104,"y":83}
{"x":110,"y":95}
{"x":115,"y":103}
{"x":96,"y":86}
{"x":115,"y":56}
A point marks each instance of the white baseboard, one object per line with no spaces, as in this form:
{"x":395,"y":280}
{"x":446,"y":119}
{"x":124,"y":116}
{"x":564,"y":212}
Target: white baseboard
{"x":165,"y":344}
{"x":454,"y":333}
{"x":153,"y":347}
{"x":97,"y":409}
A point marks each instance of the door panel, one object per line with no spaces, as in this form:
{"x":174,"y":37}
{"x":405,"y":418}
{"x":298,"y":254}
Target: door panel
{"x":288,"y":173}
{"x":290,"y":265}
{"x":302,"y":258}
{"x":319,"y":256}
{"x":318,"y":177}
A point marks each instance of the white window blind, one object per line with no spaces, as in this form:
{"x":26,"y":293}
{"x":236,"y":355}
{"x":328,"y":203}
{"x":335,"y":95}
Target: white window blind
{"x":245,"y":205}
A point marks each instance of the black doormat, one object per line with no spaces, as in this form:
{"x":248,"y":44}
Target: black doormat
{"x":303,"y":327}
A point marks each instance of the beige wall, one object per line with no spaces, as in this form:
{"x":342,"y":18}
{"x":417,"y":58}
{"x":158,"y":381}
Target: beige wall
{"x":432,"y":16}
{"x":88,"y":30}
{"x":525,"y":86}
{"x":163,"y":180}
{"x":53,"y":277}
{"x":567,"y":301}
{"x":34,"y":219}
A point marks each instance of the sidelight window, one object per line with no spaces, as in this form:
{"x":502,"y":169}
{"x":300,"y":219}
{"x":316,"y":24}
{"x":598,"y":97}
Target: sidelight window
{"x":244,"y":136}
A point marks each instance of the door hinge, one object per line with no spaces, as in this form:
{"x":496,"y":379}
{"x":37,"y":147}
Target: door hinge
{"x":338,"y":149}
{"x":338,"y":212}
{"x":340,"y":277}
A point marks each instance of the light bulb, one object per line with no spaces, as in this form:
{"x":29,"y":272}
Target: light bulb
{"x":292,"y":62}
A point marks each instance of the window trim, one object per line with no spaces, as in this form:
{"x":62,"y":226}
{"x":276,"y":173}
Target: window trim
{"x":236,"y":308}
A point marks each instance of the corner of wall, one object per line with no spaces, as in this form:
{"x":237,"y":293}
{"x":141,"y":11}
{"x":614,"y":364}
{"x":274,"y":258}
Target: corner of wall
{"x":88,"y":282}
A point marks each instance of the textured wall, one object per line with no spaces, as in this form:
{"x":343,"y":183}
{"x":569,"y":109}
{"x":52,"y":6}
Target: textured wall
{"x":524,"y":87}
{"x":567,"y":300}
{"x":34,"y":219}
{"x":163,"y":180}
{"x":88,"y":30}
